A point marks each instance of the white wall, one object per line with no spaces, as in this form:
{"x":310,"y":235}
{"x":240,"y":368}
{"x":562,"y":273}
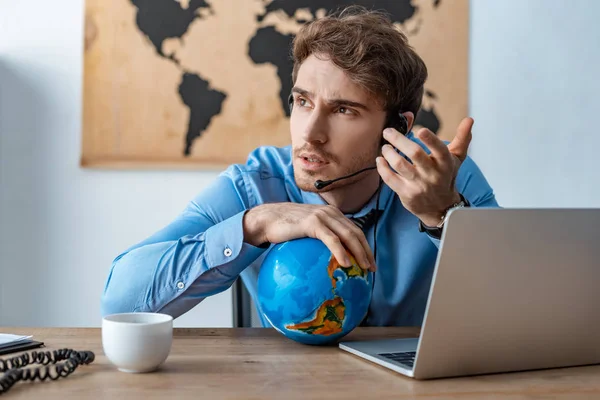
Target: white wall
{"x":61,"y":225}
{"x":534,"y":95}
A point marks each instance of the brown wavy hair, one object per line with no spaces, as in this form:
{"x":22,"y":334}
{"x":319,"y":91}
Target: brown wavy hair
{"x":367,"y":46}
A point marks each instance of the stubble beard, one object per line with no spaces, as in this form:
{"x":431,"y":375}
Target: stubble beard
{"x":305,"y":180}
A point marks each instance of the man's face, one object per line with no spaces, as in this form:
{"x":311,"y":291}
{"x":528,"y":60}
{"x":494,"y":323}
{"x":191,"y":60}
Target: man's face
{"x":336,"y":125}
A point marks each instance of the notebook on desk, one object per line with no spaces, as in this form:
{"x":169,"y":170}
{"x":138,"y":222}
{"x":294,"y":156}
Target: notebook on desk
{"x":10,"y":343}
{"x":512,"y":290}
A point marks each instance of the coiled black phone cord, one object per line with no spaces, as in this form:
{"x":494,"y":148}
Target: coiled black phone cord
{"x":14,"y":371}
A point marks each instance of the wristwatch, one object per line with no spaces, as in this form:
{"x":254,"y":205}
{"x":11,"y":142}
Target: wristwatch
{"x":436,"y":231}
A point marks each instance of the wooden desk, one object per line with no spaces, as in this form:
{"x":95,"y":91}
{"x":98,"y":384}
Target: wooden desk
{"x":258,"y":363}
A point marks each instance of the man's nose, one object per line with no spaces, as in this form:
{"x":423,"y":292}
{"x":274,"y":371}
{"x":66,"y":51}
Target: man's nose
{"x":316,"y":129}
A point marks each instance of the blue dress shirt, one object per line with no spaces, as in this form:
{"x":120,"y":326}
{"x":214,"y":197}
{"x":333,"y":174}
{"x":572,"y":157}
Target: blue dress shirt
{"x":202,"y":251}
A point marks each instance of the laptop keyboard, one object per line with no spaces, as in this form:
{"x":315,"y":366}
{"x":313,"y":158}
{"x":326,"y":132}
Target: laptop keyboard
{"x":405,"y":358}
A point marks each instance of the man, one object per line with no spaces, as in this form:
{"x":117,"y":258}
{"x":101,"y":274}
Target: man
{"x":353,"y":73}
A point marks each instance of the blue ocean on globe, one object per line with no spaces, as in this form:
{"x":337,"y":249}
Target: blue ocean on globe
{"x":307,"y":296}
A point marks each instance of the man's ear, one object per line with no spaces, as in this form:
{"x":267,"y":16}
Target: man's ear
{"x":410,"y":119}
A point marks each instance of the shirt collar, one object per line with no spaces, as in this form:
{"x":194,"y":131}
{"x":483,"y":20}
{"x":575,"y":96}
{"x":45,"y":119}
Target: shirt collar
{"x":384,"y":198}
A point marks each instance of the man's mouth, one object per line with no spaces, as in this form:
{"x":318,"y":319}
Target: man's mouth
{"x":312,"y":162}
{"x":313,"y":158}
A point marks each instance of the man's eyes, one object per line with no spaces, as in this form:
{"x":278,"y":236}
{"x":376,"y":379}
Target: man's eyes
{"x":346,"y":110}
{"x":302,"y":102}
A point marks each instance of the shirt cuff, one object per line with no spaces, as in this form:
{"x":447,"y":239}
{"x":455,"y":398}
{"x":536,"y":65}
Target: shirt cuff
{"x":226,"y":249}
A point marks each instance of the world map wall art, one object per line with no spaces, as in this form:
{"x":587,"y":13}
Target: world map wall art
{"x":201,"y":83}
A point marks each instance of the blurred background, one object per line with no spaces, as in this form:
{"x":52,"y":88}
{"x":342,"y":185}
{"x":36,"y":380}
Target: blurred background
{"x":532,"y":89}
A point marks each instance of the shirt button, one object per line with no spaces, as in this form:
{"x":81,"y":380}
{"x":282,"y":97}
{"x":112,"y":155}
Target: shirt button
{"x":227,"y":252}
{"x":180,"y":285}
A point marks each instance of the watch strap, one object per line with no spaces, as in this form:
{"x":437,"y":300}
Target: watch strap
{"x":436,"y":231}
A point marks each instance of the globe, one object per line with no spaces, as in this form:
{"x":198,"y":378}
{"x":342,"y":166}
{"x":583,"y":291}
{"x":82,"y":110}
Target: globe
{"x":308,"y":296}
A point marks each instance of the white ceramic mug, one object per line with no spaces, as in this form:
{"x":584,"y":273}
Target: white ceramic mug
{"x":137,"y":342}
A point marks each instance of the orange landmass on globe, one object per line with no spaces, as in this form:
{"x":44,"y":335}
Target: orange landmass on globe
{"x":328,"y":320}
{"x":351,"y":271}
{"x":330,"y":315}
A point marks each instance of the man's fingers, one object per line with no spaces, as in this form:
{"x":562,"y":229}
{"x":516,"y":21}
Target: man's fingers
{"x":439,"y":150}
{"x":334,"y":244}
{"x":354,"y":239}
{"x":398,"y":163}
{"x":460,"y":144}
{"x":392,"y":179}
{"x":350,"y":235}
{"x":412,"y":150}
{"x":339,"y":234}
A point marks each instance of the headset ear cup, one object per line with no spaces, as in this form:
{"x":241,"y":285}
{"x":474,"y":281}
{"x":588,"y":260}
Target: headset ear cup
{"x":398,"y":122}
{"x":402,"y":124}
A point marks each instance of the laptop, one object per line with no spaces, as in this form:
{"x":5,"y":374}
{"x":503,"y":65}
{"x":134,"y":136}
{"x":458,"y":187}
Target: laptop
{"x":512,"y":290}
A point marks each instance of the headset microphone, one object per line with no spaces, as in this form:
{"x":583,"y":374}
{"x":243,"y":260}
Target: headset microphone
{"x":319,"y":184}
